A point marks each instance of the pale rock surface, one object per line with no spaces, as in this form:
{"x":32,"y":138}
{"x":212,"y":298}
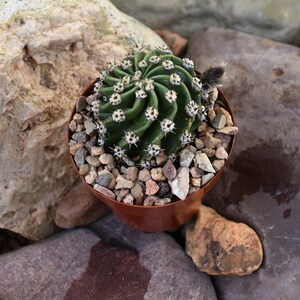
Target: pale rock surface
{"x":49,"y":52}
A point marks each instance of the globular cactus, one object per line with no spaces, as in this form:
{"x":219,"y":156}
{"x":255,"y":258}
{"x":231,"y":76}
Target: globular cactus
{"x":149,"y":101}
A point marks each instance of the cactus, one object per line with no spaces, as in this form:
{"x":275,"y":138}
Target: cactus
{"x":150,"y":100}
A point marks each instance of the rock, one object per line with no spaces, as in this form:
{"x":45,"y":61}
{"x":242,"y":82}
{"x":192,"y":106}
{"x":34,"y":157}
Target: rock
{"x":209,"y":152}
{"x":73,"y":126}
{"x":199,"y":143}
{"x":96,"y":151}
{"x":144,"y":175}
{"x":151,"y":187}
{"x":196,"y":172}
{"x":219,"y":121}
{"x":207,"y":177}
{"x":132,"y":173}
{"x":90,"y":127}
{"x":93,"y":160}
{"x":161,"y":158}
{"x":84,"y":169}
{"x":180,"y":184}
{"x":104,"y":178}
{"x":202,"y":161}
{"x":211,"y":114}
{"x":225,"y":140}
{"x":128,"y":199}
{"x":51,"y":53}
{"x":162,"y":201}
{"x":80,"y":128}
{"x":218,"y":164}
{"x":123,"y":183}
{"x":193,"y":189}
{"x":90,"y":177}
{"x":78,"y":119}
{"x":137,"y":194}
{"x":231,"y":130}
{"x":169,"y":170}
{"x":79,"y":208}
{"x":260,"y":186}
{"x":149,"y":201}
{"x":164,"y":188}
{"x":103,"y":190}
{"x":221,"y":110}
{"x":128,"y":161}
{"x":196,"y":181}
{"x":80,"y":156}
{"x":175,"y":42}
{"x":221,"y":153}
{"x":75,"y":147}
{"x":157,"y":174}
{"x":106,"y":159}
{"x":274,"y":20}
{"x":157,"y":261}
{"x":80,"y":137}
{"x":186,"y":158}
{"x":81,"y":104}
{"x":122,"y":194}
{"x":202,"y":127}
{"x":222,"y":247}
{"x":210,"y":141}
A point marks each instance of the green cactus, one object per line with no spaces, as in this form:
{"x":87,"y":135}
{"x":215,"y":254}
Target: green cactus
{"x":149,"y":101}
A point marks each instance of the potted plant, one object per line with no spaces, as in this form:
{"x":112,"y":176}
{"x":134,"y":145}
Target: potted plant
{"x":151,"y":136}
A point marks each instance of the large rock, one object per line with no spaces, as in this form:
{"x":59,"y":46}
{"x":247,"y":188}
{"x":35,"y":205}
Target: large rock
{"x":273,"y":19}
{"x":49,"y":52}
{"x":260,"y":186}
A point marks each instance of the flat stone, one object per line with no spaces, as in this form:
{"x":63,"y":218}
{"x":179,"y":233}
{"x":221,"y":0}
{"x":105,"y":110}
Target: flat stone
{"x":80,"y":207}
{"x":231,"y":130}
{"x":132,"y":173}
{"x":169,"y":170}
{"x":209,"y":152}
{"x":81,"y":104}
{"x":91,"y":177}
{"x":84,"y":169}
{"x":151,"y":187}
{"x":96,"y":151}
{"x":199,"y":143}
{"x":80,"y":156}
{"x":162,"y":201}
{"x":221,"y":110}
{"x":161,"y":158}
{"x":157,"y":174}
{"x":137,"y":193}
{"x":75,"y":147}
{"x":104,"y":178}
{"x":80,"y":137}
{"x":221,"y":153}
{"x":149,"y":201}
{"x":180,"y":184}
{"x":106,"y":158}
{"x":219,"y":121}
{"x":186,"y":158}
{"x":222,"y":247}
{"x":90,"y":127}
{"x":207,"y":177}
{"x":210,"y":141}
{"x":196,"y":172}
{"x":93,"y":160}
{"x":123,"y":183}
{"x":128,"y":199}
{"x":103,"y":190}
{"x":144,"y":175}
{"x":218,"y":164}
{"x":202,"y":161}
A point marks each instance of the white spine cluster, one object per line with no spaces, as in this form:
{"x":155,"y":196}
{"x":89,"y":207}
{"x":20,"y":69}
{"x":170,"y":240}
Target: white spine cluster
{"x":119,"y":87}
{"x":137,"y":75}
{"x":131,"y":138}
{"x":151,"y":113}
{"x":126,"y":80}
{"x":196,"y":84}
{"x":110,"y":66}
{"x":188,"y":63}
{"x":101,"y":128}
{"x":95,"y":105}
{"x":175,"y":79}
{"x":167,"y":125}
{"x":164,"y":49}
{"x":115,"y":99}
{"x":186,"y":138}
{"x":118,"y":152}
{"x":100,"y":141}
{"x":142,"y":64}
{"x":145,"y":164}
{"x":171,"y":96}
{"x":98,"y":86}
{"x":102,"y":75}
{"x":192,"y":108}
{"x":126,"y":64}
{"x":118,"y":115}
{"x":154,"y":59}
{"x":141,"y":94}
{"x":168,"y":64}
{"x":153,"y":149}
{"x":138,"y":48}
{"x":149,"y":85}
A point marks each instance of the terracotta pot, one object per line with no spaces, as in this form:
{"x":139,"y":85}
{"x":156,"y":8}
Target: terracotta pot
{"x":156,"y":218}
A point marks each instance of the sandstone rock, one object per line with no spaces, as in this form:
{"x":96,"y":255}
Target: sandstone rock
{"x":221,"y":153}
{"x":144,"y":175}
{"x":103,"y":190}
{"x":186,"y":158}
{"x":123,"y":183}
{"x":161,"y":158}
{"x":151,"y":187}
{"x":128,"y":199}
{"x":199,"y":143}
{"x":162,"y":201}
{"x":253,"y":189}
{"x":196,"y":181}
{"x":149,"y":201}
{"x":231,"y":130}
{"x":137,"y":194}
{"x":169,"y":170}
{"x":196,"y":172}
{"x":222,"y":247}
{"x":96,"y":151}
{"x":93,"y":160}
{"x":79,"y":208}
{"x":157,"y":174}
{"x":209,"y":152}
{"x":211,"y":142}
{"x":84,"y":169}
{"x":90,"y":127}
{"x":106,"y":159}
{"x":73,"y":126}
{"x":75,"y":147}
{"x":104,"y":178}
{"x":202,"y":161}
{"x":90,"y":177}
{"x":122,"y":194}
{"x":132,"y":173}
{"x":221,"y":110}
{"x":50,"y":52}
{"x":180,"y":184}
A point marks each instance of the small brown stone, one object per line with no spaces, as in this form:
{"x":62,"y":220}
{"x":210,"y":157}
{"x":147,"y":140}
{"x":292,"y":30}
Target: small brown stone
{"x":144,"y":175}
{"x":149,"y":201}
{"x":137,"y":194}
{"x":122,"y":193}
{"x":132,"y":173}
{"x":218,"y":164}
{"x":97,"y":151}
{"x":202,"y":127}
{"x":208,"y":152}
{"x":151,"y":187}
{"x":75,"y":147}
{"x":90,"y":177}
{"x":123,"y":183}
{"x":104,"y":191}
{"x":211,"y":142}
{"x":157,"y":174}
{"x":84,"y":169}
{"x":169,"y":170}
{"x":196,"y":172}
{"x":106,"y":158}
{"x":196,"y":181}
{"x":231,"y":130}
{"x":221,"y":110}
{"x":199,"y":143}
{"x":162,"y":201}
{"x":161,"y":158}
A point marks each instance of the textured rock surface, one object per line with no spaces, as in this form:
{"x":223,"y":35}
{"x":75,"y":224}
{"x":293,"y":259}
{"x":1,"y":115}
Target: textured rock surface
{"x":49,"y":52}
{"x":273,"y":19}
{"x":222,"y":247}
{"x":173,"y":275}
{"x":79,"y":207}
{"x":260,"y":186}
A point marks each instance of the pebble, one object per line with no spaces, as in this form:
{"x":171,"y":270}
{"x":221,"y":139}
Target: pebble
{"x":210,"y":141}
{"x":218,"y":164}
{"x":221,"y":110}
{"x":128,"y":161}
{"x":202,"y":126}
{"x":97,"y":151}
{"x":137,"y":194}
{"x":193,"y":189}
{"x":112,"y":183}
{"x":104,"y":177}
{"x":72,"y":143}
{"x":123,"y":183}
{"x":151,"y":187}
{"x":106,"y":158}
{"x":144,"y":175}
{"x":209,"y":152}
{"x":90,"y":127}
{"x":84,"y":169}
{"x":93,"y":160}
{"x":75,"y":147}
{"x":128,"y":199}
{"x":221,"y":153}
{"x":79,"y":128}
{"x":207,"y":177}
{"x":78,"y":118}
{"x":91,"y":98}
{"x":211,"y":114}
{"x":186,"y":158}
{"x":103,"y":190}
{"x":164,"y":188}
{"x":110,"y":167}
{"x":81,"y":104}
{"x":162,"y":201}
{"x":73,"y":126}
{"x":115,"y":172}
{"x":89,"y":144}
{"x":90,"y":177}
{"x":196,"y":181}
{"x":80,"y":156}
{"x":225,"y":140}
{"x":157,"y":174}
{"x":202,"y":161}
{"x":122,"y":194}
{"x":196,"y":172}
{"x":219,"y":121}
{"x":191,"y":148}
{"x":80,"y":137}
{"x":149,"y":201}
{"x":199,"y":143}
{"x":180,"y":184}
{"x":161,"y":158}
{"x":230,"y":130}
{"x":169,"y":170}
{"x":132,"y":173}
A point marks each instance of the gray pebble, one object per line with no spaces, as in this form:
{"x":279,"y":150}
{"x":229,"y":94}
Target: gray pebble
{"x":80,"y":137}
{"x":81,"y":103}
{"x":80,"y":156}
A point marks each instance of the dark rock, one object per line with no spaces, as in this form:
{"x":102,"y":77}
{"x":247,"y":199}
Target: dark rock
{"x":163,"y":188}
{"x":81,"y":103}
{"x":260,"y":186}
{"x":80,"y":156}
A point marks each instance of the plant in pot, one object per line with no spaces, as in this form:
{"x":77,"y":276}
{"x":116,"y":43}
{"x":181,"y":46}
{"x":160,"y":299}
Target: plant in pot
{"x":151,"y":136}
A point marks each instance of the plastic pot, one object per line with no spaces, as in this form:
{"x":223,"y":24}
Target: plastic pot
{"x":156,"y":218}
